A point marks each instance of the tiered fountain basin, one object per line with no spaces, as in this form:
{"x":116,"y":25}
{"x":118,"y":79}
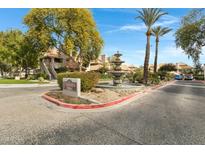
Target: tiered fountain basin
{"x":117,"y":73}
{"x":123,"y":85}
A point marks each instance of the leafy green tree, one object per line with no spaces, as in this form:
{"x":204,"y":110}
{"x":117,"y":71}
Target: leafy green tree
{"x":149,"y":16}
{"x":17,"y":52}
{"x":158,"y":32}
{"x":198,"y":69}
{"x":167,"y":68}
{"x":190,"y":37}
{"x":10,"y":44}
{"x":72,"y":31}
{"x":27,"y":57}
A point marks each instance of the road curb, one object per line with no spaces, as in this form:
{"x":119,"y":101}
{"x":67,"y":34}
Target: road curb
{"x":200,"y":81}
{"x":103,"y":105}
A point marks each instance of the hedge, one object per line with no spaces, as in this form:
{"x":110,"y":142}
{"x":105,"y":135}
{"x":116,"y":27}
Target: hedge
{"x":88,"y":79}
{"x":199,"y":77}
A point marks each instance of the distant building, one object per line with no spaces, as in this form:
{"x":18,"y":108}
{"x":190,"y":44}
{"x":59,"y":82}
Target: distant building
{"x":182,"y":66}
{"x":99,"y":63}
{"x":179,"y":66}
{"x":95,"y":65}
{"x":51,"y":61}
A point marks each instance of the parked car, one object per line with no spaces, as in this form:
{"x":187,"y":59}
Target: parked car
{"x":188,"y":77}
{"x":179,"y":77}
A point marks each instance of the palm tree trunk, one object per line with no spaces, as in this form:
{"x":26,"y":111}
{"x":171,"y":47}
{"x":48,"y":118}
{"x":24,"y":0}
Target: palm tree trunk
{"x":156,"y":55}
{"x":146,"y":61}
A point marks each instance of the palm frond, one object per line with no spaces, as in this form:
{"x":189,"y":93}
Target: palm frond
{"x":150,"y":15}
{"x":160,"y":31}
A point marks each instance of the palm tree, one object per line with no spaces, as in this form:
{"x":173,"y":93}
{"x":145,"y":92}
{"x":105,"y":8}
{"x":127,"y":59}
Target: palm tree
{"x":149,"y":16}
{"x":157,"y":32}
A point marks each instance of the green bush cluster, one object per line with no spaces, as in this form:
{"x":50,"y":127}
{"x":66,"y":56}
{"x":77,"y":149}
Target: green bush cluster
{"x":169,"y":76}
{"x":88,"y":79}
{"x":162,"y":74}
{"x":62,"y":70}
{"x":37,"y":76}
{"x":129,"y":77}
{"x":199,"y":77}
{"x":138,"y":75}
{"x":40,"y":79}
{"x":154,"y":78}
{"x":105,"y":76}
{"x":103,"y":70}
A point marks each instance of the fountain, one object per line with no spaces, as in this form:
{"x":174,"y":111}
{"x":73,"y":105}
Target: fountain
{"x":117,"y":72}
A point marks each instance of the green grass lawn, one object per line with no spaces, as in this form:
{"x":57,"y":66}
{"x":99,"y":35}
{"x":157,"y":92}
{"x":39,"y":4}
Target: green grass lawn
{"x":12,"y":81}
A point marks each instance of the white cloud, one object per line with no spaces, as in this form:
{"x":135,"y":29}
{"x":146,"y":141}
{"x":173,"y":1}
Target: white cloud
{"x":171,"y":54}
{"x":167,"y":20}
{"x":121,"y":10}
{"x":133,"y":27}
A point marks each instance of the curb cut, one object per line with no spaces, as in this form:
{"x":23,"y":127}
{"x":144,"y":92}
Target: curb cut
{"x":97,"y":106}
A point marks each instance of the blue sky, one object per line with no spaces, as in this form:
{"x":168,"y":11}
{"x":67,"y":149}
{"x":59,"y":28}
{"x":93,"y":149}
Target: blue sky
{"x":121,"y":31}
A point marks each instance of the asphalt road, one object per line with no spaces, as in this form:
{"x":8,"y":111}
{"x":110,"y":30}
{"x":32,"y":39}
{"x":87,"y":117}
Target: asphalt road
{"x":174,"y":114}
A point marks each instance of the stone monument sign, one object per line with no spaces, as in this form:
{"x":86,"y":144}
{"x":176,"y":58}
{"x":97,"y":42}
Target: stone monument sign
{"x":71,"y":87}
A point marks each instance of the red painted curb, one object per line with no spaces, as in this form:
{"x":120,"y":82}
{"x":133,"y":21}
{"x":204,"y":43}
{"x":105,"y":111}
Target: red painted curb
{"x":84,"y":106}
{"x":95,"y":106}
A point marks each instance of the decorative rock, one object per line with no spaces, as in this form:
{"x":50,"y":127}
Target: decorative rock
{"x":97,"y":90}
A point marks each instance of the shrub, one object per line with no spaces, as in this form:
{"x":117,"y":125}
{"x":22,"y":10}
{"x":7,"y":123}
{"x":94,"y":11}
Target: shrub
{"x":169,"y":76}
{"x":40,"y":79}
{"x":138,"y":75}
{"x":162,"y":74}
{"x":43,"y":75}
{"x":103,"y":70}
{"x":154,"y":78}
{"x":62,"y":70}
{"x":129,"y":76}
{"x":31,"y":77}
{"x":88,"y":79}
{"x":199,"y":77}
{"x":105,"y":76}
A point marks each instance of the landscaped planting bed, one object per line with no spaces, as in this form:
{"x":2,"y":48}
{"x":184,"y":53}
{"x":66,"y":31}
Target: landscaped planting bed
{"x":67,"y":99}
{"x":95,"y":96}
